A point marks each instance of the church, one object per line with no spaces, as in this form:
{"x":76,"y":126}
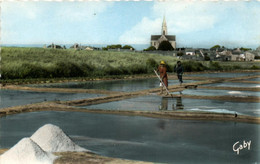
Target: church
{"x":157,"y":39}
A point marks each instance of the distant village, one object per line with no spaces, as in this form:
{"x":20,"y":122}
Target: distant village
{"x":165,"y":44}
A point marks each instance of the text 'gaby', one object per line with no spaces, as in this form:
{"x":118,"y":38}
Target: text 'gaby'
{"x":240,"y":146}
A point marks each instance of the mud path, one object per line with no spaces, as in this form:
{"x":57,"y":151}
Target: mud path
{"x":249,"y":82}
{"x":183,"y":115}
{"x":91,"y":158}
{"x":87,"y":158}
{"x":61,"y":90}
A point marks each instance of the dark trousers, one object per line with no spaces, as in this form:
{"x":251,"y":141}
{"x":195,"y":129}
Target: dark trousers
{"x":180,"y":78}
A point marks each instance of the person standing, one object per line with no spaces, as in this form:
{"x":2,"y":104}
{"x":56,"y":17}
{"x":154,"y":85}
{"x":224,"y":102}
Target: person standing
{"x":179,"y":70}
{"x":163,"y":75}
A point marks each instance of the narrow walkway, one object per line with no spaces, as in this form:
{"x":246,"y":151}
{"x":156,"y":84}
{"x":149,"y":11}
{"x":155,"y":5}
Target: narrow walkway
{"x":183,"y":115}
{"x":61,"y":90}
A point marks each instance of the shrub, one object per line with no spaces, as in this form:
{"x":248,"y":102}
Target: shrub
{"x":165,"y":46}
{"x":190,"y":66}
{"x":104,"y":48}
{"x":180,"y":54}
{"x":116,"y":46}
{"x":67,"y":69}
{"x":215,"y":47}
{"x":215,"y":66}
{"x":257,"y":57}
{"x":151,"y":64}
{"x":255,"y":67}
{"x":151,"y":48}
{"x":137,"y":69}
{"x":206,"y":58}
{"x":128,"y":47}
{"x":25,"y":70}
{"x":169,"y":67}
{"x":236,"y":67}
{"x":112,"y":71}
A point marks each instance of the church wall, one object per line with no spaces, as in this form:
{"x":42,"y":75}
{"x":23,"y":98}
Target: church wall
{"x":155,"y":44}
{"x":173,"y":43}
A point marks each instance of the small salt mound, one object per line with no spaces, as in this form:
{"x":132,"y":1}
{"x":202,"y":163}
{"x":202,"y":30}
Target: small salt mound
{"x":52,"y":139}
{"x":26,"y":152}
{"x":235,"y":92}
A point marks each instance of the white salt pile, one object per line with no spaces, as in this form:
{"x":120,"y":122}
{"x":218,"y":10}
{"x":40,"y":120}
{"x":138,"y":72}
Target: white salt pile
{"x":38,"y":148}
{"x":52,"y":139}
{"x":26,"y":151}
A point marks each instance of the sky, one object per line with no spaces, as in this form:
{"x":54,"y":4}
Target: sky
{"x":196,"y":23}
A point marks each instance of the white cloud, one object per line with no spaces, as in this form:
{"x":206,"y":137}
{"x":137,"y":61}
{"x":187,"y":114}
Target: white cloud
{"x":82,"y":11}
{"x":28,"y":10}
{"x":72,"y":11}
{"x":186,"y":16}
{"x":141,"y":32}
{"x":33,"y":21}
{"x":181,"y":17}
{"x":229,"y":22}
{"x":191,"y":22}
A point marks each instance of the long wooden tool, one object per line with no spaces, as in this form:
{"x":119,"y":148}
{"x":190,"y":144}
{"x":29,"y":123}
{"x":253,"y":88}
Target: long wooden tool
{"x":162,"y":82}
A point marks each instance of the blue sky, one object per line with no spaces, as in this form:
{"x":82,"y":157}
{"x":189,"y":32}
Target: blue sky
{"x":195,"y":23}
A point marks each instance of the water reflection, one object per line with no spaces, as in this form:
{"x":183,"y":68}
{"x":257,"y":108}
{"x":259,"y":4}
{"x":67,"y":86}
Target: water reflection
{"x":175,"y":105}
{"x":164,"y":104}
{"x":11,"y":98}
{"x":179,"y":105}
{"x":161,"y":124}
{"x":112,"y":85}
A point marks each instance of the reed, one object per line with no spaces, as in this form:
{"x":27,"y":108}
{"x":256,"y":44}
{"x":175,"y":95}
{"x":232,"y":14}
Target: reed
{"x":21,"y":63}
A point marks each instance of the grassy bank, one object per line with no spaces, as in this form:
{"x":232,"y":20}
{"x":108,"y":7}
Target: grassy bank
{"x":21,"y":63}
{"x":33,"y":63}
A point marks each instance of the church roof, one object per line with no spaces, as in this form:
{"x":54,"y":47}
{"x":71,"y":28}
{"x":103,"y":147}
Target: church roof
{"x":169,"y":37}
{"x":155,"y":37}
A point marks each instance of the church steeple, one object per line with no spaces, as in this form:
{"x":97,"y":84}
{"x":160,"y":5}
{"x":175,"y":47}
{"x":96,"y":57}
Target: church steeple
{"x":164,"y":27}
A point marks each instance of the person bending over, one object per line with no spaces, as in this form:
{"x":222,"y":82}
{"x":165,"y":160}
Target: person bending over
{"x":163,"y":75}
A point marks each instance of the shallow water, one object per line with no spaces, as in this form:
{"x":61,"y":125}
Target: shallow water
{"x":114,"y":85}
{"x":155,"y":103}
{"x":141,"y":138}
{"x":18,"y":97}
{"x":225,"y":74}
{"x":211,"y":92}
{"x":253,"y":79}
{"x":233,"y":84}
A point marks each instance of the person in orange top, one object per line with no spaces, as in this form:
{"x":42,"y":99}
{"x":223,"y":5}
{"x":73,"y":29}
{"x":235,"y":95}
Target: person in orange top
{"x":163,"y":75}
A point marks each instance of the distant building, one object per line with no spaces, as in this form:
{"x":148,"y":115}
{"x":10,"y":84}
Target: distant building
{"x":249,"y":56}
{"x":189,"y":51}
{"x":157,"y":39}
{"x":89,"y":48}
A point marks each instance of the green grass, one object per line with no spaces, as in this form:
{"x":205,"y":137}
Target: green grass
{"x":22,"y":63}
{"x":33,"y":63}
